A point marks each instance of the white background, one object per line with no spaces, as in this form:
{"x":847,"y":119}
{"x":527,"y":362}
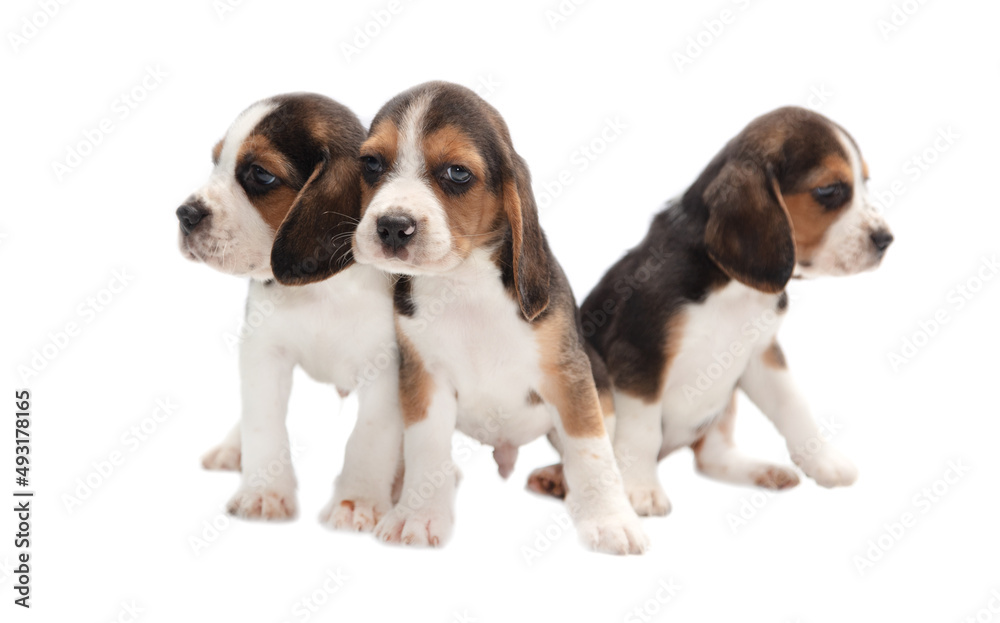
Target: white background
{"x":164,"y":336}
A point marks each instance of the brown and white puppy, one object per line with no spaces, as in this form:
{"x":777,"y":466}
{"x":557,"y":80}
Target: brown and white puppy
{"x":287,"y":176}
{"x":690,"y":315}
{"x":486,"y":322}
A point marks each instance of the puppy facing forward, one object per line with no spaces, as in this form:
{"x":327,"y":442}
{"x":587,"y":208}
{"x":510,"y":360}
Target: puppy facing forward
{"x":485,"y":318}
{"x":785,"y":198}
{"x":287,"y":174}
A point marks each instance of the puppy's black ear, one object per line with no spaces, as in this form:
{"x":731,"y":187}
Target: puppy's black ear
{"x":314,"y":241}
{"x":528,"y":250}
{"x":749,"y":233}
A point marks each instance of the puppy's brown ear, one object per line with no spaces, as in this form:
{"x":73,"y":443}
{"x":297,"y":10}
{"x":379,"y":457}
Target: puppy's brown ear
{"x":527,"y":249}
{"x":748,"y":233}
{"x":314,"y":241}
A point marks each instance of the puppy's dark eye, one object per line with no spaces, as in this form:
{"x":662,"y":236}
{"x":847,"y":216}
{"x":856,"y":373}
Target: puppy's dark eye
{"x":262,"y":176}
{"x":371,"y":164}
{"x":832,"y":196}
{"x":458,"y":174}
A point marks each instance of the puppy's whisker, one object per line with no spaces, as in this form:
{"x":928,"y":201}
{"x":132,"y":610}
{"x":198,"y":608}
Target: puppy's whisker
{"x":347,"y":216}
{"x":475,"y":235}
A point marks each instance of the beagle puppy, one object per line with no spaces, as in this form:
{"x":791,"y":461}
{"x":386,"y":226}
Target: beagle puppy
{"x":486,"y":323}
{"x":691,"y":314}
{"x":286,"y":175}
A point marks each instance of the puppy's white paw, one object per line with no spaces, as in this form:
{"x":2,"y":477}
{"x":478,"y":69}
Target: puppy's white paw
{"x":775,"y":477}
{"x":271,"y":503}
{"x":648,"y":499}
{"x":615,"y":533}
{"x":222,"y":457}
{"x":357,"y":514}
{"x":828,"y":467}
{"x":424,"y":526}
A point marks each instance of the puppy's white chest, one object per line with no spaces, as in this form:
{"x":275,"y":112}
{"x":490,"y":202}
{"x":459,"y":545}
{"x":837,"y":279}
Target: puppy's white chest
{"x":718,"y":338}
{"x":333,"y":329}
{"x":470,"y":334}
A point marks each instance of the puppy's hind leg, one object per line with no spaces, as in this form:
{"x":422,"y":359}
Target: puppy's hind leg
{"x":717,"y":457}
{"x":549,"y":480}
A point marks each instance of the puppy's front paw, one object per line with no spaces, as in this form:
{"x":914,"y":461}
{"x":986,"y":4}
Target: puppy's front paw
{"x":358,"y":514}
{"x":648,"y":499}
{"x":222,"y":457}
{"x":271,"y":503}
{"x":828,"y":467}
{"x":775,"y":477}
{"x":424,"y":526}
{"x":615,"y":533}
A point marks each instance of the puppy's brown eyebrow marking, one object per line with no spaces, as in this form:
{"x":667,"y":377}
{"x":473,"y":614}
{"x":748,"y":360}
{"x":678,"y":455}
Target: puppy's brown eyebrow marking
{"x":383,"y":140}
{"x":450,"y":145}
{"x":258,"y":148}
{"x":834,"y":168}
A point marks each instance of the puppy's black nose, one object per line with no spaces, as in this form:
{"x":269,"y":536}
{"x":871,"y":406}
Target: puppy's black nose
{"x":881,"y":239}
{"x":189,"y":217}
{"x":395,"y":231}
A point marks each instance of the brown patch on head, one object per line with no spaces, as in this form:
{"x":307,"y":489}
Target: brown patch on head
{"x":534,"y":399}
{"x":832,"y":169}
{"x":774,"y":357}
{"x":217,"y":151}
{"x":568,"y":379}
{"x":272,"y":202}
{"x":810,"y":219}
{"x":451,"y":145}
{"x":415,"y":383}
{"x":474,"y":211}
{"x":274,"y":206}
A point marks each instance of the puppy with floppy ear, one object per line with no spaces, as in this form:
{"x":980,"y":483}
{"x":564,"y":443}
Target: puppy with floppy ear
{"x":785,"y":198}
{"x":486,"y":322}
{"x":286,"y":183}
